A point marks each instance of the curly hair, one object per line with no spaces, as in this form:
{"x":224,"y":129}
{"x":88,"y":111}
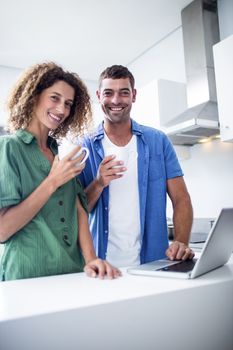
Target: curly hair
{"x":30,"y":85}
{"x":117,"y":72}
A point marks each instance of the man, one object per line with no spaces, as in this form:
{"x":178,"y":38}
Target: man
{"x":127,"y":201}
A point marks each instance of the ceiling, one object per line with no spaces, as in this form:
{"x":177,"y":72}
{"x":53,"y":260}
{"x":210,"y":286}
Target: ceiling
{"x":84,"y":35}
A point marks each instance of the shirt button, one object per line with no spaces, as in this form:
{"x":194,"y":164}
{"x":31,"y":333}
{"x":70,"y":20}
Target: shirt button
{"x":62,"y":219}
{"x":106,"y":231}
{"x":60,"y":202}
{"x":65,"y":237}
{"x":106,"y":208}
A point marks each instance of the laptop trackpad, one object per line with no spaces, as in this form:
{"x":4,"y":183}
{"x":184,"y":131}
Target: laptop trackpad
{"x":180,"y":266}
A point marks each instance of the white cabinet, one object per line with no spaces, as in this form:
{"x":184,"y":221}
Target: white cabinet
{"x":223,"y":61}
{"x":172,"y":100}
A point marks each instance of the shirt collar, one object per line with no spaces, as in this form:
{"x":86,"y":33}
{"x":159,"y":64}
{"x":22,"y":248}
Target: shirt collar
{"x":25,"y":136}
{"x":28,"y":138}
{"x":136,"y":128}
{"x":99,"y":133}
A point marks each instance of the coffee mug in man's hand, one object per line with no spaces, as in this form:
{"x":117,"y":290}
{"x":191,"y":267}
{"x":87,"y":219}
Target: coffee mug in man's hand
{"x":67,"y":146}
{"x":121,"y":154}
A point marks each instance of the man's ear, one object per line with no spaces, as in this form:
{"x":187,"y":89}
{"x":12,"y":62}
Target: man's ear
{"x":98,"y":94}
{"x":134,"y":95}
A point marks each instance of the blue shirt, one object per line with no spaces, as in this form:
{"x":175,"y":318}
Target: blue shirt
{"x":157,"y":162}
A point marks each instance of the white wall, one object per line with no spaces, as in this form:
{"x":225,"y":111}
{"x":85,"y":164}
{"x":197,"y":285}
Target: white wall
{"x":8,"y":77}
{"x":146,"y":110}
{"x":208,"y":174}
{"x":163,"y":61}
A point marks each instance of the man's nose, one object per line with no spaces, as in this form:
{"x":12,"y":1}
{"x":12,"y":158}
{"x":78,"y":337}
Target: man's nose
{"x":116,"y":98}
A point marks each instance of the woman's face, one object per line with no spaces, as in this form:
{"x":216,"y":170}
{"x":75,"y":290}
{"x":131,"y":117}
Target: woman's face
{"x":54,"y":105}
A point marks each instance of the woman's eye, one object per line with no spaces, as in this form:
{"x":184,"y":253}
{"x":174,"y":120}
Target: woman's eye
{"x":54,"y":98}
{"x":68,"y":105}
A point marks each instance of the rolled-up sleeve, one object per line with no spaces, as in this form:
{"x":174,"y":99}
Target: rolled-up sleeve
{"x":10,"y":182}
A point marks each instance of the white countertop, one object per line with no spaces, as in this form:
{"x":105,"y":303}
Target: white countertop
{"x":29,"y":297}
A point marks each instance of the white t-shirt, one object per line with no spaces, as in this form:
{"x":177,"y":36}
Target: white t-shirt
{"x":124,"y":239}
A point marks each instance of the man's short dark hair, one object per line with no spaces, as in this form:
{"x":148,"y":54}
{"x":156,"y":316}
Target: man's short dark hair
{"x":117,"y":72}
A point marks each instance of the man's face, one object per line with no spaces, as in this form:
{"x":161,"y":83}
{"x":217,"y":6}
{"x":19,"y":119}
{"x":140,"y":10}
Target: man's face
{"x":116,"y":97}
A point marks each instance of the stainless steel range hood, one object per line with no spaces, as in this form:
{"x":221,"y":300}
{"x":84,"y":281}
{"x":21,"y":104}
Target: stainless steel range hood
{"x":200,"y":33}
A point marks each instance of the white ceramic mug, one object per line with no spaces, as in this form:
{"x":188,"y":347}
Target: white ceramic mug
{"x":67,"y":146}
{"x":83,"y":150}
{"x":120,"y":153}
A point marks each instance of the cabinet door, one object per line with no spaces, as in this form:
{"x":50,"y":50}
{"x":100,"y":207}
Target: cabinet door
{"x":223,"y":62}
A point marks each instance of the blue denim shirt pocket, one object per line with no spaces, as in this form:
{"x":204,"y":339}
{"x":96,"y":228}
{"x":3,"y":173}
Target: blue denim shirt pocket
{"x":155,"y":168}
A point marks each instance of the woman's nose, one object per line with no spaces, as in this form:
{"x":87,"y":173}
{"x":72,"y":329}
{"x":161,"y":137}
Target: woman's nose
{"x":60,"y":108}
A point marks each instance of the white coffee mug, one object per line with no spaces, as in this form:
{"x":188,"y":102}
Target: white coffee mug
{"x":67,"y":146}
{"x":83,"y":150}
{"x":121,"y":154}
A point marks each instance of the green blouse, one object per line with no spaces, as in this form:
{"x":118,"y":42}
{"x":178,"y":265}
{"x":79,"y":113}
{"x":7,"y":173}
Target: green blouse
{"x":47,"y":245}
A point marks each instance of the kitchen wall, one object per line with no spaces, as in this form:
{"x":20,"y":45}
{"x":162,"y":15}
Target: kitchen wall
{"x":208,"y":174}
{"x":8,"y":76}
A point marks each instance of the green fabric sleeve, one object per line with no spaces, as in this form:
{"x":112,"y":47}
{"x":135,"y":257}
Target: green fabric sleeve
{"x":82,"y":196}
{"x":10,"y":184}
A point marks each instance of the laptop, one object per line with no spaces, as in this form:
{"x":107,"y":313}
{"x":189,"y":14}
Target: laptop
{"x":215,"y":253}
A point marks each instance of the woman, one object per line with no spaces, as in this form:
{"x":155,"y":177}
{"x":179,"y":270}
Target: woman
{"x":43,"y":231}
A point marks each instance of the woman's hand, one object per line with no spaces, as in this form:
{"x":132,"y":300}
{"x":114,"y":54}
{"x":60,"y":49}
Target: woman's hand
{"x":101,"y":268}
{"x":65,"y":169}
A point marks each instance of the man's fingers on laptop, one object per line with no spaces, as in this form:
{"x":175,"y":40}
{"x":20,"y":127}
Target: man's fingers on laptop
{"x":179,"y":251}
{"x":189,"y":254}
{"x":172,"y":250}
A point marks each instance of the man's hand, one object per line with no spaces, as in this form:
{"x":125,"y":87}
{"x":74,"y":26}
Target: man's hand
{"x":106,"y":173}
{"x":101,"y":268}
{"x":179,"y":251}
{"x":109,"y":170}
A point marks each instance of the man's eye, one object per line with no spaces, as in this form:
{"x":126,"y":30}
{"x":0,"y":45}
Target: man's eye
{"x":107,"y":93}
{"x":125,"y":93}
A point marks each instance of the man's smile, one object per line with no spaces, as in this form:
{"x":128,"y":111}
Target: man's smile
{"x":116,"y":109}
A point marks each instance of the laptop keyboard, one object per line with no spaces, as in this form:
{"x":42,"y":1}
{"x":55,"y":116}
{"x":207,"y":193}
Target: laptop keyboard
{"x":183,"y":266}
